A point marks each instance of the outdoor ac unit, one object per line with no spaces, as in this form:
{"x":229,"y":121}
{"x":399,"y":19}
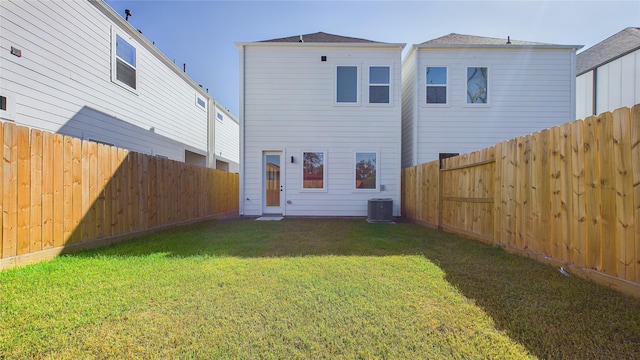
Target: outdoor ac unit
{"x":380,"y":210}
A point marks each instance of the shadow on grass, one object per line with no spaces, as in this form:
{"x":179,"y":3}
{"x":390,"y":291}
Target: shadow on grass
{"x":552,"y":315}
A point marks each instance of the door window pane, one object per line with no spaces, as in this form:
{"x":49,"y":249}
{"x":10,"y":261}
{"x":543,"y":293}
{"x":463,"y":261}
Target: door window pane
{"x":272,"y":179}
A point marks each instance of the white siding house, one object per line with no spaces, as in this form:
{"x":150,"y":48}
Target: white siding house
{"x":227,"y":149}
{"x":320,"y":125}
{"x":609,"y":74}
{"x":78,"y":68}
{"x":462,"y":93}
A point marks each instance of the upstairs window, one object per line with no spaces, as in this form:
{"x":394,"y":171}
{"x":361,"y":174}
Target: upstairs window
{"x":347,"y":84}
{"x":379,"y":85}
{"x":477,"y":85}
{"x":124,"y":69}
{"x":202,"y":103}
{"x":436,"y":85}
{"x":219,"y":117}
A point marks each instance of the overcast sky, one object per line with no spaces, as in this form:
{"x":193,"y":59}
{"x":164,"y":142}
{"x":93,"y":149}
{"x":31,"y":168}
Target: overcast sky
{"x":202,"y":33}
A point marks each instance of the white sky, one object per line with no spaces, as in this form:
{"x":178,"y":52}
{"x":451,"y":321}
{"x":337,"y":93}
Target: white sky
{"x":202,"y":33}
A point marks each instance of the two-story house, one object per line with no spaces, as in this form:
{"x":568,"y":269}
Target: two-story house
{"x":320,"y":125}
{"x":78,"y":68}
{"x":462,"y":93}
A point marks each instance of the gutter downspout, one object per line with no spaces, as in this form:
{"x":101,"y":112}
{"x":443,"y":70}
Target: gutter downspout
{"x":241,"y":123}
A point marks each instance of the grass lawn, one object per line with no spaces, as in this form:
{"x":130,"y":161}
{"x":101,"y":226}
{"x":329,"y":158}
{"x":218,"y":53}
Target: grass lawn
{"x":309,"y":288}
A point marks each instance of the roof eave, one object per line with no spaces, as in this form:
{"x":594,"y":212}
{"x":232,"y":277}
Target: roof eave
{"x":608,"y":61}
{"x":498,"y":46}
{"x":321,"y":44}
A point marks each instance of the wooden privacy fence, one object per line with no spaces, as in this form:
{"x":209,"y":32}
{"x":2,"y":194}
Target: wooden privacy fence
{"x":569,"y":195}
{"x":61,"y":193}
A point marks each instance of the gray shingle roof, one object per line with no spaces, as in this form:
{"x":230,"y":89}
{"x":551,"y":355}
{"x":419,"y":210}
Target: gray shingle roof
{"x":320,"y":37}
{"x":459,"y":39}
{"x":616,"y":46}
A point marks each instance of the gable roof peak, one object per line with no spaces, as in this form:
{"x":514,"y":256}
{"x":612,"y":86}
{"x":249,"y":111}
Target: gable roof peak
{"x":471,"y":40}
{"x":320,"y":37}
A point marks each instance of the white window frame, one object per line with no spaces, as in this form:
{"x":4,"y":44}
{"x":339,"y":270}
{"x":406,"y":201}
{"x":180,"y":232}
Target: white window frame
{"x":358,"y":86}
{"x":201,"y":107}
{"x":489,"y":92}
{"x":355,"y":163}
{"x":10,"y":113}
{"x":324,"y":171}
{"x":219,"y":116}
{"x":447,"y":86}
{"x":114,"y":58}
{"x":370,"y":84}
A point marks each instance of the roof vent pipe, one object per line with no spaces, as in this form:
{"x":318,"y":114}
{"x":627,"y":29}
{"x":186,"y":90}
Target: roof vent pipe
{"x":508,"y":40}
{"x":127,"y":14}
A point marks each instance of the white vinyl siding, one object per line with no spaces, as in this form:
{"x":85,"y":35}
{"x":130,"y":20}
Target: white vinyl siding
{"x":529,"y":90}
{"x":63,"y":84}
{"x":289,"y":106}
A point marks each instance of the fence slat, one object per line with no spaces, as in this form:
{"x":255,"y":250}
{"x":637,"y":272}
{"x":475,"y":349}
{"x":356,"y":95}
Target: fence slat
{"x":58,"y":171}
{"x":635,"y":161}
{"x":48,"y":173}
{"x":35,"y":208}
{"x":592,"y":192}
{"x":24,"y":189}
{"x":579,"y":216}
{"x":625,"y":229}
{"x":10,"y":190}
{"x":608,"y":211}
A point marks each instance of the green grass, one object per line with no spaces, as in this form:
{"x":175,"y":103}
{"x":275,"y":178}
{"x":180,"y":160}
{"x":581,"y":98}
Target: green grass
{"x":309,"y":288}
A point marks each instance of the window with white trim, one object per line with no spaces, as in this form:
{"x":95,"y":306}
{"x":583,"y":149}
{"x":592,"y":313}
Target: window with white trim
{"x":347,"y":84}
{"x":202,"y":103}
{"x":477,"y":85}
{"x":124,"y":69}
{"x":313,"y":170}
{"x":436,"y":90}
{"x":366,"y":170}
{"x":379,"y":85}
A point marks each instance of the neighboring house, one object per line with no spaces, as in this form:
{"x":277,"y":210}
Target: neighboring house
{"x":319,"y":125}
{"x":78,"y":68}
{"x":227,"y":149}
{"x":462,"y":93}
{"x":609,"y":74}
